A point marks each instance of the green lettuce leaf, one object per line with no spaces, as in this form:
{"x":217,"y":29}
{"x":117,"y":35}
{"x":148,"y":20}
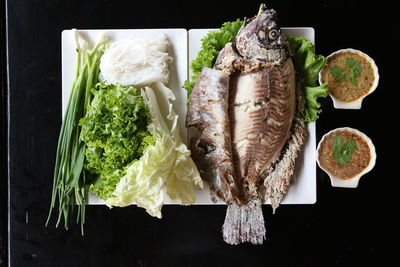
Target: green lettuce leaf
{"x":211,"y":44}
{"x":313,"y":106}
{"x":166,"y":164}
{"x":115,"y":133}
{"x":307,"y":64}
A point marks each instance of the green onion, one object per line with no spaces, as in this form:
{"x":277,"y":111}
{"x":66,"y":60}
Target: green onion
{"x":70,"y":185}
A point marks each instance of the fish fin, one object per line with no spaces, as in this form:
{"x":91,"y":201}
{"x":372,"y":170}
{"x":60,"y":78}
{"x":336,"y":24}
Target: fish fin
{"x":244,"y":223}
{"x":231,"y":227}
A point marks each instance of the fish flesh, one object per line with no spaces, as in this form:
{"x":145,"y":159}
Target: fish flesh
{"x":249,"y":129}
{"x":261,"y":112}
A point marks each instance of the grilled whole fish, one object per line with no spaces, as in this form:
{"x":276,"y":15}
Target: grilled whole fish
{"x":249,"y":122}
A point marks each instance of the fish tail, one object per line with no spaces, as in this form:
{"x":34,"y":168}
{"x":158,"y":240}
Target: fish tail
{"x":244,"y":223}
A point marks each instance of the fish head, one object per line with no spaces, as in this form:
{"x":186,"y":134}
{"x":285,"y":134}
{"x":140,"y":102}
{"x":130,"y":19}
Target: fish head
{"x":261,"y":38}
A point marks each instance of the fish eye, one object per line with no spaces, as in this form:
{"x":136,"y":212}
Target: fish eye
{"x":273,"y":34}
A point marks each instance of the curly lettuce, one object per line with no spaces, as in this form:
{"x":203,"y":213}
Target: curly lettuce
{"x":115,"y":132}
{"x":165,"y":164}
{"x":307,"y":64}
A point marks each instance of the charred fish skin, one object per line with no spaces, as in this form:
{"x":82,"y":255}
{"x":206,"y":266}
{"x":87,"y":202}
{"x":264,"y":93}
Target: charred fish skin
{"x":228,"y":59}
{"x":211,"y":146}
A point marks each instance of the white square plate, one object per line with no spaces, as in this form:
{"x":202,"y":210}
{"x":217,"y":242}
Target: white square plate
{"x":303,"y":190}
{"x":184,"y":47}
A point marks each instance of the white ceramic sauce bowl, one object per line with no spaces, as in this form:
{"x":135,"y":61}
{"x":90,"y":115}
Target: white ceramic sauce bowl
{"x":352,"y":182}
{"x":357,"y":103}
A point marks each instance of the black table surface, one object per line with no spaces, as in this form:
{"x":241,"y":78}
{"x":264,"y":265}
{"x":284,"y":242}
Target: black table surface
{"x":345,"y":227}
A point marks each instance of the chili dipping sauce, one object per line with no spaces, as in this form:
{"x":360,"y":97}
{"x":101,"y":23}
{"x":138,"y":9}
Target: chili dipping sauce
{"x":360,"y":158}
{"x":350,"y":75}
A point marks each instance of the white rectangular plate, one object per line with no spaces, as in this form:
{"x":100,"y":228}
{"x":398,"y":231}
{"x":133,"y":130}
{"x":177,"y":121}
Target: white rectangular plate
{"x":303,"y":189}
{"x":178,"y":68}
{"x":184,"y":48}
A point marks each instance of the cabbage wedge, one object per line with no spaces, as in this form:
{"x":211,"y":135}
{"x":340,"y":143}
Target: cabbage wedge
{"x":165,"y":168}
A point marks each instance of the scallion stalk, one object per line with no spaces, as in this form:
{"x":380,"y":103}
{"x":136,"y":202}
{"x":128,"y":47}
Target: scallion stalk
{"x":70,"y":185}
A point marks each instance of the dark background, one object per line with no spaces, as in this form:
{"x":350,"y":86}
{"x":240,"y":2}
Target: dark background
{"x":346,"y":227}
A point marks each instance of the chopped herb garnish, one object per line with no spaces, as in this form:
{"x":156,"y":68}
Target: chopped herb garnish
{"x":343,"y":151}
{"x":338,"y":74}
{"x":354,"y":71}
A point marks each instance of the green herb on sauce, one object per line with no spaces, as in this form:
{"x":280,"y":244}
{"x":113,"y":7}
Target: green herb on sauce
{"x":338,"y":74}
{"x":343,"y":151}
{"x":354,"y":71}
